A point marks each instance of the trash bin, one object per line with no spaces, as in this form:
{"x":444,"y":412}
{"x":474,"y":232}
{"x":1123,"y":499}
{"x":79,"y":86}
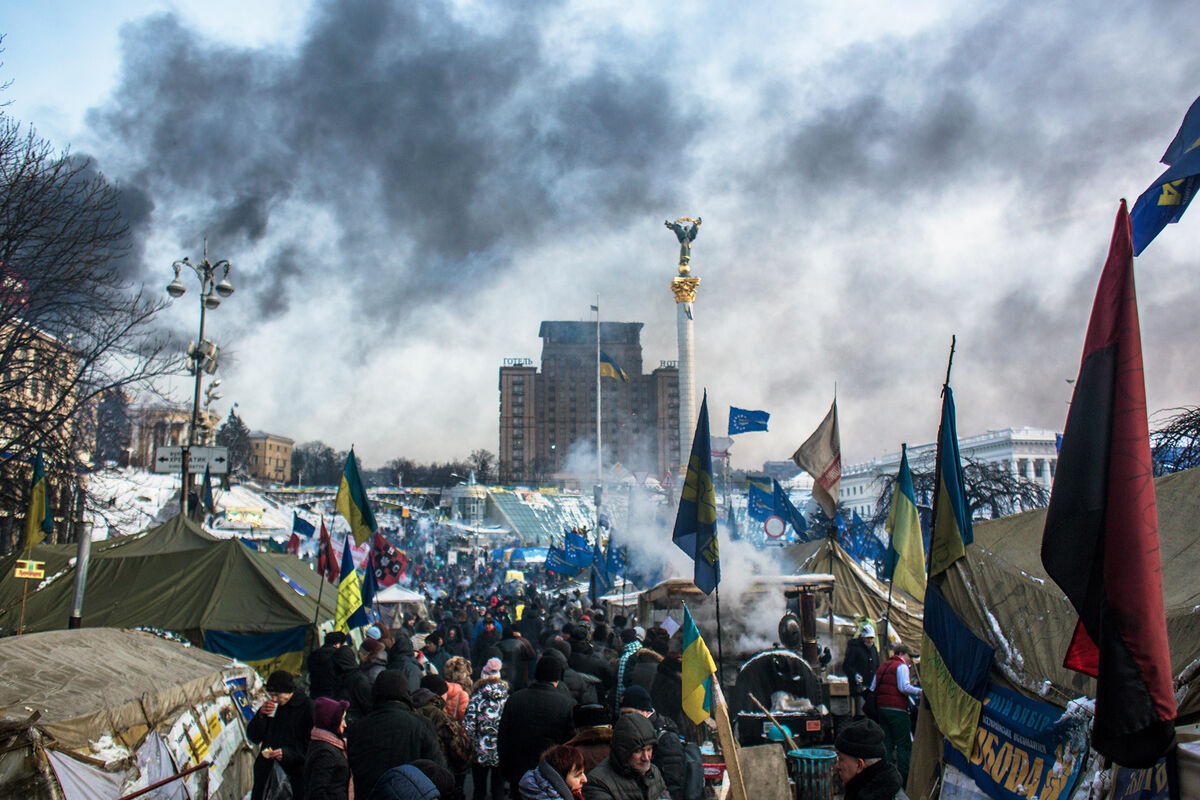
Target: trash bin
{"x":814,"y":773}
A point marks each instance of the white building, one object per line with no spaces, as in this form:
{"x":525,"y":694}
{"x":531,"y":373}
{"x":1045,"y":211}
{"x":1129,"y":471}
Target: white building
{"x":1030,"y":452}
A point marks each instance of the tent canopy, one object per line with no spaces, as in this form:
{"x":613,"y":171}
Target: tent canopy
{"x":175,"y":577}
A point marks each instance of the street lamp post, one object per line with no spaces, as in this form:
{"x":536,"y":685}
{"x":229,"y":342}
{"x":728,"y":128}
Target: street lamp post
{"x":202,"y":354}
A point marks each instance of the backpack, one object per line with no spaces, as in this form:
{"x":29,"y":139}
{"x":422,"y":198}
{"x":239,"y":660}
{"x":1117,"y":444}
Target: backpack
{"x":693,"y":771}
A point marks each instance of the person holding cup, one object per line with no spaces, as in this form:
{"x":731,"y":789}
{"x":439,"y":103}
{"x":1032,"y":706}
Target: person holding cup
{"x":281,"y":726}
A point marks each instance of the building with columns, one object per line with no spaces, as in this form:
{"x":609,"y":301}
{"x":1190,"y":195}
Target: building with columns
{"x":1029,"y":452}
{"x":547,"y":415}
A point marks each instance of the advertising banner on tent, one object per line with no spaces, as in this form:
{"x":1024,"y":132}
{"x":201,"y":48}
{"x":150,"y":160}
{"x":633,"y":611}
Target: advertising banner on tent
{"x":1016,"y":755}
{"x":1141,"y":784}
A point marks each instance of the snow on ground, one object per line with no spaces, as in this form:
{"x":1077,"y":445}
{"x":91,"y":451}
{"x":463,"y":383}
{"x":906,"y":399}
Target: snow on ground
{"x":126,"y":501}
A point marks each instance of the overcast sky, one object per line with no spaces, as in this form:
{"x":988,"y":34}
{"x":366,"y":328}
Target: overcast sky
{"x":407,"y":189}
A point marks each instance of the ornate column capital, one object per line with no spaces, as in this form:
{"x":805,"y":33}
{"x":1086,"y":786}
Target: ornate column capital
{"x":684,"y":288}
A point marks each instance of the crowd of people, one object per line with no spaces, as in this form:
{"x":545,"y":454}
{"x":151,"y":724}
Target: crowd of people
{"x":534,"y":697}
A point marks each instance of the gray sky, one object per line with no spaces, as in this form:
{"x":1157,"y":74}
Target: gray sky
{"x":407,"y":189}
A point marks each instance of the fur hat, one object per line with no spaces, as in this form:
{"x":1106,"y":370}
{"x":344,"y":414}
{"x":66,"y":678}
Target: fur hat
{"x":281,"y":681}
{"x":863,"y":739}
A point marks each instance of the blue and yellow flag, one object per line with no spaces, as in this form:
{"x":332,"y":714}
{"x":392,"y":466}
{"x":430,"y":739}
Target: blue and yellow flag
{"x":696,"y":522}
{"x":1168,"y":197}
{"x":265,"y":652}
{"x":951,"y":521}
{"x":904,"y":564}
{"x":38,"y":522}
{"x":697,"y":672}
{"x":609,"y":369}
{"x":353,"y":504}
{"x":954,"y":671}
{"x":206,"y":492}
{"x":350,"y":612}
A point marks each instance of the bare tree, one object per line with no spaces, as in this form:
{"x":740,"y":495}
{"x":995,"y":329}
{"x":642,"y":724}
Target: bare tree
{"x":992,"y":490}
{"x":1176,"y":444}
{"x":482,"y":461}
{"x":71,"y":329}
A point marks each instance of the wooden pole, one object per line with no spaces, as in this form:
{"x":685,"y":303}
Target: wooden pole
{"x":720,"y":649}
{"x":791,"y":742}
{"x":729,"y":747}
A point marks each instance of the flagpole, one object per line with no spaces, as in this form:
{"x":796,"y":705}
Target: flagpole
{"x":887,"y":617}
{"x":937,"y":464}
{"x":598,"y":442}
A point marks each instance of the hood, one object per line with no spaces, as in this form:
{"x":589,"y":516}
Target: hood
{"x":492,"y":689}
{"x":423,"y":697}
{"x":404,"y":783}
{"x":632,"y":731}
{"x":344,"y":660}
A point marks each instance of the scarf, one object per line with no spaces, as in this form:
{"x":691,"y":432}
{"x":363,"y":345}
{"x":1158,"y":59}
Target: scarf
{"x":629,"y":650}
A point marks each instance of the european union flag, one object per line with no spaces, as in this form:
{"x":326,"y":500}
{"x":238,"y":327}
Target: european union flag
{"x":601,"y":582}
{"x":743,"y":421}
{"x":1168,"y":197}
{"x":616,"y":559}
{"x":696,"y":523}
{"x":760,"y":504}
{"x":576,"y":549}
{"x":609,"y":369}
{"x":556,"y":562}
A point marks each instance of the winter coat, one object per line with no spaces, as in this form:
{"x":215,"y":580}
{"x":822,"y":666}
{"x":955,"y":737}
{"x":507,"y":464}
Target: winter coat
{"x":533,"y":719}
{"x":585,"y":659}
{"x":391,"y":734}
{"x":326,"y":770}
{"x":322,"y":678}
{"x":482,"y":719}
{"x":287,"y":731}
{"x":613,"y":779}
{"x":455,"y":743}
{"x":353,"y":685}
{"x":594,"y":743}
{"x":641,"y":669}
{"x":666,"y":693}
{"x":879,"y":781}
{"x":517,"y":656}
{"x":544,"y":783}
{"x":456,"y":698}
{"x":400,"y":656}
{"x":403,"y":783}
{"x":668,"y":754}
{"x":860,"y":663}
{"x":887,"y":688}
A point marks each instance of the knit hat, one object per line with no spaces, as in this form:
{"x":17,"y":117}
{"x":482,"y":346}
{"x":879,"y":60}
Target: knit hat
{"x":335,"y":638}
{"x":373,"y":632}
{"x":863,"y":739}
{"x":327,"y":713}
{"x":636,"y":697}
{"x":390,"y":685}
{"x":628,"y":635}
{"x":492,"y":668}
{"x":435,"y":684}
{"x":548,"y":669}
{"x":281,"y":681}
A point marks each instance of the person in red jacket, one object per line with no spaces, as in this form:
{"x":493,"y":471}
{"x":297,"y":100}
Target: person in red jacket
{"x":893,"y":686}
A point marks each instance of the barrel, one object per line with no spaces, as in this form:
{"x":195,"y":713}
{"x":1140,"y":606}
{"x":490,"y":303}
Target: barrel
{"x":813,"y":773}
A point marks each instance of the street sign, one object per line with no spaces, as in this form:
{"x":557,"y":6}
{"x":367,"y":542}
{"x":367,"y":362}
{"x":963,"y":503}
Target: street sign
{"x":30,"y":569}
{"x":169,"y":458}
{"x":774,"y":526}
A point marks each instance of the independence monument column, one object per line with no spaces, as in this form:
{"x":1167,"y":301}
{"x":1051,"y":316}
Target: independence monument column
{"x":683,"y":287}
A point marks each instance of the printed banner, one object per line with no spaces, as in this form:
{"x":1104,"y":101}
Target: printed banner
{"x":1016,"y":756}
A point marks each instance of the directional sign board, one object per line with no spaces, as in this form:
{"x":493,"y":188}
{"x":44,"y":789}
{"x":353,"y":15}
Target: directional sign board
{"x":169,"y":458}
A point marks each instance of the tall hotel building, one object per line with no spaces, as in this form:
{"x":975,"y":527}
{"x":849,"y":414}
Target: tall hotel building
{"x":543,"y":415}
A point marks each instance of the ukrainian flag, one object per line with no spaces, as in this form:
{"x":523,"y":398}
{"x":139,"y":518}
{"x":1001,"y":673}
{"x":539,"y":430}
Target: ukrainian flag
{"x":38,"y":522}
{"x":353,"y":504}
{"x":695,"y":530}
{"x":609,"y":369}
{"x":350,"y":611}
{"x":904,"y":565}
{"x":951,"y":521}
{"x":697,"y":674}
{"x":265,"y":652}
{"x":954,"y":671}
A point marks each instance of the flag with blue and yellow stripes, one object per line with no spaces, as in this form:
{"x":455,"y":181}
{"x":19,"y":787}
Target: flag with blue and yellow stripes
{"x":609,"y":368}
{"x":697,"y":672}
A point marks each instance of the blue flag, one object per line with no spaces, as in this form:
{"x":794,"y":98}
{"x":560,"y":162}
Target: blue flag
{"x":1168,"y":197}
{"x":616,"y":559}
{"x":302,"y":526}
{"x":743,"y":421}
{"x":370,"y":585}
{"x":556,"y":562}
{"x":609,"y":369}
{"x":789,"y":513}
{"x":601,"y":581}
{"x":576,"y":550}
{"x":760,"y":504}
{"x":696,"y":522}
{"x":206,"y":492}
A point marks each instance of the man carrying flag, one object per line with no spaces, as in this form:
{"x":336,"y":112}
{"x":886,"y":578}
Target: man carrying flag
{"x":350,"y":612}
{"x":904,"y":564}
{"x":353,"y":504}
{"x":821,"y":457}
{"x":38,"y":522}
{"x":1100,"y":544}
{"x":696,"y":522}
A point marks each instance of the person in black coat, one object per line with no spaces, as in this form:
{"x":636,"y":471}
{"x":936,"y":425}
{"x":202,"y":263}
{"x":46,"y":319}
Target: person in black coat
{"x":326,"y":770}
{"x":534,"y":718}
{"x":391,"y":735}
{"x":517,"y":656}
{"x":666,"y":694}
{"x":862,"y":765}
{"x":281,"y":725}
{"x":353,"y":685}
{"x":580,"y":688}
{"x":322,"y":676}
{"x":860,"y":665}
{"x":668,"y":748}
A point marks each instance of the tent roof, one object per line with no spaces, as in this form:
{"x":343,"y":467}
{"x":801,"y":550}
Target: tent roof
{"x":175,"y":577}
{"x":1005,"y":596}
{"x":96,"y":681}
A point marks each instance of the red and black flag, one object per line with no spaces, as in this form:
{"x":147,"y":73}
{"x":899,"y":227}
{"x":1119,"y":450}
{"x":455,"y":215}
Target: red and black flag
{"x":390,"y":562}
{"x":327,"y":558}
{"x":1101,"y":539}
